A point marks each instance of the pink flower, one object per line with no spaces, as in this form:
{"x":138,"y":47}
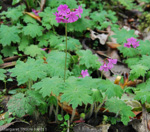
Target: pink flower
{"x":79,"y":11}
{"x":65,"y":15}
{"x":63,"y":10}
{"x":108,"y":66}
{"x":113,"y":61}
{"x":104,"y":67}
{"x":59,"y":18}
{"x":135,"y":44}
{"x":128,"y":45}
{"x":131,"y":40}
{"x":35,"y":12}
{"x":84,"y":73}
{"x":72,"y":17}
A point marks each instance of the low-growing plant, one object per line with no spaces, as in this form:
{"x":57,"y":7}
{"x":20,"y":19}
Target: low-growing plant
{"x":57,"y":71}
{"x":65,"y":125}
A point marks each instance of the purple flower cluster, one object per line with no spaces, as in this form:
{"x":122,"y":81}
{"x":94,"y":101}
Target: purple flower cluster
{"x":35,"y":12}
{"x":84,"y":73}
{"x":66,"y":15}
{"x":131,"y":41}
{"x":108,"y":66}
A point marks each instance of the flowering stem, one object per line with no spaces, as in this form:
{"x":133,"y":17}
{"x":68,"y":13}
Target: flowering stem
{"x":66,"y":53}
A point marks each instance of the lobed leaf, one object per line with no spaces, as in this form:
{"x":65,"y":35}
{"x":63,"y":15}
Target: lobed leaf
{"x":122,"y":35}
{"x":88,"y":59}
{"x":49,"y":85}
{"x":143,"y":92}
{"x":120,"y":108}
{"x":34,"y":50}
{"x":56,"y":63}
{"x":32,"y":30}
{"x":2,"y":74}
{"x":77,"y":91}
{"x":29,"y":71}
{"x":137,"y":71}
{"x":11,"y":33}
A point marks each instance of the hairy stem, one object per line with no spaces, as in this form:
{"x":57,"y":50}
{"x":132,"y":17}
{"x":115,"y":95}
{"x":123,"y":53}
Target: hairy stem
{"x":73,"y":114}
{"x":51,"y":110}
{"x":62,"y":111}
{"x":85,"y":108}
{"x":98,"y":108}
{"x":68,"y":127}
{"x":91,"y":110}
{"x":66,"y":53}
{"x":56,"y":112}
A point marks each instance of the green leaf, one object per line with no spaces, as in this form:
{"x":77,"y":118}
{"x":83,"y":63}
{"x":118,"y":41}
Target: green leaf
{"x":33,"y":30}
{"x":145,"y":61}
{"x":1,"y":61}
{"x":9,"y":120}
{"x":120,"y":108}
{"x":77,"y":91}
{"x":98,"y":16}
{"x":66,"y":117}
{"x":80,"y":25}
{"x":48,"y":18}
{"x":14,"y":13}
{"x":97,"y":95}
{"x":76,"y":70}
{"x":34,"y":50}
{"x":59,"y":42}
{"x":127,"y":3}
{"x":59,"y":117}
{"x":137,"y":71}
{"x":132,"y":61}
{"x":2,"y":122}
{"x":53,"y":3}
{"x":88,"y":59}
{"x":24,"y":43}
{"x":56,"y":3}
{"x":49,"y":85}
{"x":45,"y":39}
{"x":9,"y":51}
{"x":20,"y":105}
{"x":122,"y":35}
{"x":35,"y":95}
{"x":15,"y":2}
{"x":143,"y":96}
{"x":29,"y":71}
{"x":52,"y":100}
{"x":143,"y":92}
{"x":110,"y":89}
{"x":72,"y":4}
{"x":144,"y":47}
{"x":29,"y":19}
{"x":111,"y":15}
{"x":2,"y":75}
{"x":56,"y":63}
{"x":128,"y":52}
{"x":8,"y":35}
